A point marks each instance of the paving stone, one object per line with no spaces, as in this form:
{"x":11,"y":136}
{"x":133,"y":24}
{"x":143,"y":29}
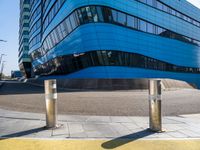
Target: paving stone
{"x":72,"y":118}
{"x":190,"y":133}
{"x":62,"y":131}
{"x":94,"y":134}
{"x":78,"y":135}
{"x":99,"y":119}
{"x":131,"y":126}
{"x":117,"y":119}
{"x":75,"y":128}
{"x":177,"y":134}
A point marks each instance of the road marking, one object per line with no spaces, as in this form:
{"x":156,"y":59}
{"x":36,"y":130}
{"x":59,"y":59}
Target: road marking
{"x":52,"y":144}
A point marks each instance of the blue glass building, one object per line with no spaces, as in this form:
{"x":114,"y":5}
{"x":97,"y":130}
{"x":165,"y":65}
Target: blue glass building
{"x":115,"y":39}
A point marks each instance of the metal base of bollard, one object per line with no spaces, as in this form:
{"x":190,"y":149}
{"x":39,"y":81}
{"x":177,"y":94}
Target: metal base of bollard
{"x":58,"y":126}
{"x":160,"y":131}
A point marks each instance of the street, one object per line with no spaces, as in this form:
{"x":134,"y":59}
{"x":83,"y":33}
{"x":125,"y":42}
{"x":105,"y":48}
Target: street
{"x":25,"y":97}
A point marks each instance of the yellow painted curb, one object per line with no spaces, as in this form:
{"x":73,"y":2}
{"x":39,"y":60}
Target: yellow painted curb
{"x":44,"y":144}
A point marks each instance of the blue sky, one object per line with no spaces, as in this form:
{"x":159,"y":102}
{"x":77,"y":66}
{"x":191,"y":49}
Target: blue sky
{"x":9,"y":19}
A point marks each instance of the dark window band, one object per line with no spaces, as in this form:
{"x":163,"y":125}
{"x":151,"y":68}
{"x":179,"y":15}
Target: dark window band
{"x":168,"y":9}
{"x":74,"y":62}
{"x":98,"y":14}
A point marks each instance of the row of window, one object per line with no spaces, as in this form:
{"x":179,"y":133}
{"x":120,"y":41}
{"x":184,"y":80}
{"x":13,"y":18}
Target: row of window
{"x":35,"y":14}
{"x":45,"y":4}
{"x":54,"y":10}
{"x":35,"y":41}
{"x":24,"y":48}
{"x":161,"y":6}
{"x":25,"y":25}
{"x":33,"y":3}
{"x":26,"y":17}
{"x":93,"y":14}
{"x":35,"y":27}
{"x":75,"y":62}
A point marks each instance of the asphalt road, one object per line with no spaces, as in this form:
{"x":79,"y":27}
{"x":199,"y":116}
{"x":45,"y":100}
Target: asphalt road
{"x":30,"y":98}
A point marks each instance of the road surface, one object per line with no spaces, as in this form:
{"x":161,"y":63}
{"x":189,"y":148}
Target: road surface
{"x":25,"y":97}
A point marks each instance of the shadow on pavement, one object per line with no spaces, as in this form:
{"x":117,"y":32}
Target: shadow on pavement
{"x":114,"y":143}
{"x":20,"y":118}
{"x":17,"y":88}
{"x":23,"y":133}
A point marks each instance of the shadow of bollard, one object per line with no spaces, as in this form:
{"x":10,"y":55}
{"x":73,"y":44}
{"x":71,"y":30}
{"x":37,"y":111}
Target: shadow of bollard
{"x":23,"y":133}
{"x":114,"y":143}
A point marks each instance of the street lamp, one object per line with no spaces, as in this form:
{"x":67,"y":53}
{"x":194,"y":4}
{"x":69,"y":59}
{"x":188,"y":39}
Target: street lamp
{"x":1,"y":58}
{"x":2,"y":67}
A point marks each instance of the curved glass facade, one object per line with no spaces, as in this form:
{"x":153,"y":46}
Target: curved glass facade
{"x":68,"y":37}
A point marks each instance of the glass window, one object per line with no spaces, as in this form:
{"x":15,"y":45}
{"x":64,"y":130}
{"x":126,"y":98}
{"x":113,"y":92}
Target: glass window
{"x":52,"y":39}
{"x":142,"y":25}
{"x":84,"y":15}
{"x":69,"y":27}
{"x":63,"y":29}
{"x":160,"y":31}
{"x":58,"y":34}
{"x":137,"y":23}
{"x":159,"y":5}
{"x":130,"y":21}
{"x":173,"y":12}
{"x":150,"y":28}
{"x":165,"y":8}
{"x":114,"y":15}
{"x":107,"y":14}
{"x":80,"y":16}
{"x":73,"y":21}
{"x":121,"y":18}
{"x":94,"y":13}
{"x":143,"y":1}
{"x":100,"y":14}
{"x":76,"y":18}
{"x":150,"y":2}
{"x":89,"y":14}
{"x":55,"y":37}
{"x":178,"y":15}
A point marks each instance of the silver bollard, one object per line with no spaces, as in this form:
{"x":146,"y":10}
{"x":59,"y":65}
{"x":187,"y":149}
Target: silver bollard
{"x":51,"y":103}
{"x":155,"y":118}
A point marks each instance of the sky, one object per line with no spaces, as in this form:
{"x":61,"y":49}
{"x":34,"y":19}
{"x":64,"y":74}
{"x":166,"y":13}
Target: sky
{"x":9,"y":26}
{"x":195,"y":2}
{"x":9,"y":18}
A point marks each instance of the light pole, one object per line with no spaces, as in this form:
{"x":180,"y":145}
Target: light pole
{"x":1,"y":58}
{"x":1,"y":40}
{"x":2,"y":67}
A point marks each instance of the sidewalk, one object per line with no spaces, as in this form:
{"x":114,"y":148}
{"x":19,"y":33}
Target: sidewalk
{"x":108,"y":130}
{"x":20,"y":124}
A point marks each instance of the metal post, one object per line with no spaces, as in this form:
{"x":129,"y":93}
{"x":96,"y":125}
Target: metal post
{"x":1,"y":73}
{"x":51,"y":103}
{"x":155,"y":118}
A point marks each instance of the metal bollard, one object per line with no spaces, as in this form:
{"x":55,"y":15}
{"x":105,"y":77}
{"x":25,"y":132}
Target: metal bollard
{"x":51,"y":103}
{"x":155,"y":118}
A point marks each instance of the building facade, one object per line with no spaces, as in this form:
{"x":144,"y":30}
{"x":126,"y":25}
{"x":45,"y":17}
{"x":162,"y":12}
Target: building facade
{"x":115,"y":39}
{"x":24,"y":58}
